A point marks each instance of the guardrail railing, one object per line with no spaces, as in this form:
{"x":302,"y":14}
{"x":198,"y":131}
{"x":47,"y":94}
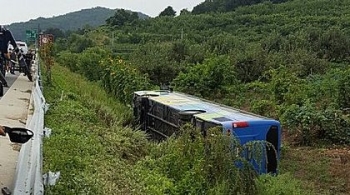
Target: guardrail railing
{"x":29,"y":177}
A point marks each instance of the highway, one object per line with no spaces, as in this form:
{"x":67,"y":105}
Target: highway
{"x":14,"y":111}
{"x":10,"y":78}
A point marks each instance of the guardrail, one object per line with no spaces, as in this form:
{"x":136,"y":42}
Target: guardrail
{"x":29,"y":177}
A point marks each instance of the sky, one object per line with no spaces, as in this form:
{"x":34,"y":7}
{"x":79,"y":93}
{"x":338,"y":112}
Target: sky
{"x":25,"y":10}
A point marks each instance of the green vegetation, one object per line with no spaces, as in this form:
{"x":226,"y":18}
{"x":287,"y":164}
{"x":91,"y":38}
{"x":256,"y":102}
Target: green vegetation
{"x":288,"y":61}
{"x":97,"y":153}
{"x":209,"y":6}
{"x":68,"y":22}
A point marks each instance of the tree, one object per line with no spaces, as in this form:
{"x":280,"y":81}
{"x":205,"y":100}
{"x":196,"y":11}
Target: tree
{"x":86,"y":28}
{"x":56,"y":32}
{"x":122,"y":17}
{"x":184,"y":12}
{"x":169,"y":11}
{"x":225,"y":5}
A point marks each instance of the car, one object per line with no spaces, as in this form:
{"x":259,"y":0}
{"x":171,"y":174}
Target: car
{"x":22,"y":45}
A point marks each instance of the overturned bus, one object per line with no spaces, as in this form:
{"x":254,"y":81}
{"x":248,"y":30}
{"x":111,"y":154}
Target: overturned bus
{"x":161,"y":113}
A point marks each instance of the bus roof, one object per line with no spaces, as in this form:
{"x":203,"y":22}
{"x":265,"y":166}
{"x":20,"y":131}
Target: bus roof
{"x":214,"y":112}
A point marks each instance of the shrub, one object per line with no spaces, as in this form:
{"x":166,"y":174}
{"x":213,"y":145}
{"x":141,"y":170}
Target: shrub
{"x":279,"y":185}
{"x":344,"y":91}
{"x":336,"y":126}
{"x":122,"y":79}
{"x":208,"y":78}
{"x":69,"y":60}
{"x":264,"y":108}
{"x":89,"y":63}
{"x":311,"y":124}
{"x":192,"y":164}
{"x":303,"y":121}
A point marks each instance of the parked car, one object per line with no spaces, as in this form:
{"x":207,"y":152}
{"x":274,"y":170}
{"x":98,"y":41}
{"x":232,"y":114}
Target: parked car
{"x":22,"y":45}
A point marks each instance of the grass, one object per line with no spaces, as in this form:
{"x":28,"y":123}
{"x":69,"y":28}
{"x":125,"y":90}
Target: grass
{"x":98,"y":153}
{"x":90,"y":143}
{"x":319,"y":168}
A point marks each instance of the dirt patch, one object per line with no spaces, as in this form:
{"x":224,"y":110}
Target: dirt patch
{"x":339,"y":169}
{"x":324,"y":170}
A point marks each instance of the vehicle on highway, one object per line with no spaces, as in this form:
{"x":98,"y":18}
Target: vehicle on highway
{"x":22,"y":45}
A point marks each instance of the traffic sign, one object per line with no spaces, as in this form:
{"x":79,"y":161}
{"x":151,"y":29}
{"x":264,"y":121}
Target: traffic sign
{"x":31,"y":34}
{"x":45,"y":38}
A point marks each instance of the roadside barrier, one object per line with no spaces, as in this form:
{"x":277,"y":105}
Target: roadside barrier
{"x":29,"y":177}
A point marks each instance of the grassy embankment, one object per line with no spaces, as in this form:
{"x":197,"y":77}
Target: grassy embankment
{"x":89,"y":144}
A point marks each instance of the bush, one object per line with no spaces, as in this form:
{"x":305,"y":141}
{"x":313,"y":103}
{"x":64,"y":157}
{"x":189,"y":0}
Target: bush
{"x":207,"y":79}
{"x":192,"y":164}
{"x":303,"y":121}
{"x":89,"y":63}
{"x":312,"y":125}
{"x":279,"y":185}
{"x":336,"y":126}
{"x":344,"y":91}
{"x":69,"y":60}
{"x":122,"y":79}
{"x":264,"y":108}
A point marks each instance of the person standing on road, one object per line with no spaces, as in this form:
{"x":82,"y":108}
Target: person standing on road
{"x":6,"y":38}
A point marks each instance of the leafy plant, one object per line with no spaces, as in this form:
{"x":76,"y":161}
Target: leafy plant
{"x":208,"y":78}
{"x":192,"y":164}
{"x":280,"y":185}
{"x":303,"y":121}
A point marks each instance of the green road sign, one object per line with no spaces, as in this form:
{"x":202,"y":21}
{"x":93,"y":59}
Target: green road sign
{"x":31,"y":34}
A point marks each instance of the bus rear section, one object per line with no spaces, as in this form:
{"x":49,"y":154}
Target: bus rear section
{"x":267,"y":135}
{"x":261,"y":139}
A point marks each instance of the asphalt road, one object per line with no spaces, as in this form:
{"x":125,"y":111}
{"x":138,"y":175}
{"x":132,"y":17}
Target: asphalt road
{"x":14,"y":112}
{"x":10,"y":78}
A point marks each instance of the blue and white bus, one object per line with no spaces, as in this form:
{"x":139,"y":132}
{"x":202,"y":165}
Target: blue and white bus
{"x":161,"y":113}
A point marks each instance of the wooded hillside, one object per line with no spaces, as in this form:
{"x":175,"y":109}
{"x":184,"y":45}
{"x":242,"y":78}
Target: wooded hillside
{"x":68,"y":22}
